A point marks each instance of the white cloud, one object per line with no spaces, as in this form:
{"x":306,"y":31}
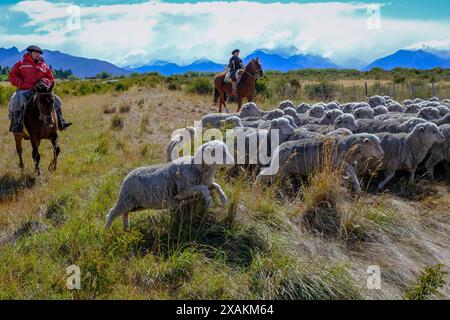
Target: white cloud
{"x":137,"y":33}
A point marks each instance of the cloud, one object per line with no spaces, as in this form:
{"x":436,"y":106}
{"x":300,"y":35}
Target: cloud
{"x":137,"y":33}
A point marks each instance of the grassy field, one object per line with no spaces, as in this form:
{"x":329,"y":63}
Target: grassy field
{"x":266,"y":244}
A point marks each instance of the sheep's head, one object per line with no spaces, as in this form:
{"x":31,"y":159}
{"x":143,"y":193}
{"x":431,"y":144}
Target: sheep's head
{"x":303,"y":107}
{"x":330,"y":116}
{"x":317,"y":111}
{"x":214,"y":154}
{"x":428,"y":133}
{"x":429,"y":113}
{"x":346,"y":121}
{"x":368,"y":146}
{"x":283,"y":125}
{"x":380,"y":110}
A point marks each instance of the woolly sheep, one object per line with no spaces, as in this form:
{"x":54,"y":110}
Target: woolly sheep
{"x":285,"y":104}
{"x":429,"y":113}
{"x":274,"y":114}
{"x":303,"y":108}
{"x":361,"y":105}
{"x":302,"y":158}
{"x":364,"y":113}
{"x":376,"y":101}
{"x":443,"y":110}
{"x":291,"y":121}
{"x":380,"y":110}
{"x":250,"y":109}
{"x":444,"y":120}
{"x":348,"y":107}
{"x":212,"y":120}
{"x":395,"y":107}
{"x":407,"y":151}
{"x":231,"y":123}
{"x":343,"y":121}
{"x":330,"y":116}
{"x":293,"y":113}
{"x":333,"y":106}
{"x":317,"y":111}
{"x":439,"y":152}
{"x":166,"y":186}
{"x":413,"y":108}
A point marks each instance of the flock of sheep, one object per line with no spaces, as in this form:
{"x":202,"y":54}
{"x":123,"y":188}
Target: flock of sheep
{"x":380,"y":135}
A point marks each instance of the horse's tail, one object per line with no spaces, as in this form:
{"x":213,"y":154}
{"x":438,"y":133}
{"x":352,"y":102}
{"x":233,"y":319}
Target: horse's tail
{"x":216,"y":95}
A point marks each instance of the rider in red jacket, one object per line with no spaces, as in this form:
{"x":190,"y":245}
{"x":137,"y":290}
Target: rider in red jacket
{"x":25,"y":75}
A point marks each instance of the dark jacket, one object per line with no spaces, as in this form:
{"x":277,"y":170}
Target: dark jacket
{"x":235,"y":63}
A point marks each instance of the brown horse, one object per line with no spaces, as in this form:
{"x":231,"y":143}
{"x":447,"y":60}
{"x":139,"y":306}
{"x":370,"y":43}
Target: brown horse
{"x":246,"y":86}
{"x":40,"y":120}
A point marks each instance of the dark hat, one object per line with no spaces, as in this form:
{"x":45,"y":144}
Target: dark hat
{"x":30,"y":49}
{"x":235,"y":50}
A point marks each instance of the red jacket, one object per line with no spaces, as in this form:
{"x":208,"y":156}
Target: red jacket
{"x":26,"y":73}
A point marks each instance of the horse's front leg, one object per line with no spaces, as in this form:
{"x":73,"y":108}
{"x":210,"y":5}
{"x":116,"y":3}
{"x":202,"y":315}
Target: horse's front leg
{"x":239,"y":102}
{"x":56,"y":151}
{"x":19,"y":138}
{"x":36,"y":156}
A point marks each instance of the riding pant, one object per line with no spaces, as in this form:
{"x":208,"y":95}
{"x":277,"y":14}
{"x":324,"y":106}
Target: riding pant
{"x":20,"y":98}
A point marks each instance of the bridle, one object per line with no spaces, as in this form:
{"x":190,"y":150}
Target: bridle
{"x":256,"y":75}
{"x":44,"y":117}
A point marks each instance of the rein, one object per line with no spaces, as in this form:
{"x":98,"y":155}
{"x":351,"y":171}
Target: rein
{"x":42,"y":116}
{"x":256,"y":76}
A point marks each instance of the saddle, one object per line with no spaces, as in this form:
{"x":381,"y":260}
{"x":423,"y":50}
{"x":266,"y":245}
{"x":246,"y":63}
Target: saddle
{"x":238,"y":76}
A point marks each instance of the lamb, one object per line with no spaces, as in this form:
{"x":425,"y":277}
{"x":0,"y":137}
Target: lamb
{"x":439,"y":152}
{"x":293,"y":113}
{"x":364,"y":113}
{"x":380,"y":110}
{"x":348,"y":107}
{"x":407,"y":151}
{"x":330,"y":116}
{"x":186,"y":135}
{"x":285,"y":104}
{"x":166,"y":186}
{"x":306,"y":156}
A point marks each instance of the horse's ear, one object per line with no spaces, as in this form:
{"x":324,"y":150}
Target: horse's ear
{"x":51,"y":87}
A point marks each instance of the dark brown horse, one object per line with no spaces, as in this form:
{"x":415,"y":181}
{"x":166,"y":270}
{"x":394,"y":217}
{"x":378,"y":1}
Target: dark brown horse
{"x":246,"y":86}
{"x":40,"y":120}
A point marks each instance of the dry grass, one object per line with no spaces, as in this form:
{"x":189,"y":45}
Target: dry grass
{"x":254,"y":248}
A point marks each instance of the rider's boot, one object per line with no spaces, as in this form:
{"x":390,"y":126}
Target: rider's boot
{"x":62,"y":124}
{"x":16,"y":122}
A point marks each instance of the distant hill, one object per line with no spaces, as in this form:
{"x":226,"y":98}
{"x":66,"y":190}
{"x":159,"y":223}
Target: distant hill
{"x":417,"y":59}
{"x":271,"y":61}
{"x":168,"y":68}
{"x":275,"y":61}
{"x":81,"y":67}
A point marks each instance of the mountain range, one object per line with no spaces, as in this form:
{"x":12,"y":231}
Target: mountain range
{"x":282,"y":60}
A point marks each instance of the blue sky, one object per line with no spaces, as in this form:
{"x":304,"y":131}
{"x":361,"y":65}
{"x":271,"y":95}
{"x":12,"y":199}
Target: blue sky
{"x":136,"y":32}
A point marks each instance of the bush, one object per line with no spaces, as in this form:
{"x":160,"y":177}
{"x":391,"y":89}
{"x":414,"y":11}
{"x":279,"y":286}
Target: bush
{"x":117,"y":122}
{"x":431,"y":279}
{"x":324,"y":91}
{"x":200,"y":86}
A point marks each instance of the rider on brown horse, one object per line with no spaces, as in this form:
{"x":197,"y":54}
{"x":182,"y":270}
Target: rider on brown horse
{"x":27,"y":75}
{"x":235,"y":65}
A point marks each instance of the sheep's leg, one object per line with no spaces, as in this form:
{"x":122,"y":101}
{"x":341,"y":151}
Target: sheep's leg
{"x":126,"y":221}
{"x":388,"y":176}
{"x":193,"y":191}
{"x":412,"y":176}
{"x":447,"y":169}
{"x":116,"y":211}
{"x":222,"y":195}
{"x":351,"y":172}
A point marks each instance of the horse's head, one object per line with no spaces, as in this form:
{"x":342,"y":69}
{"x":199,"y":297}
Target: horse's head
{"x":45,"y":103}
{"x":257,"y":67}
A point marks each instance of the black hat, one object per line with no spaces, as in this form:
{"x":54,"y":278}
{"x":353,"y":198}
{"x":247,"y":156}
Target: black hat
{"x":30,"y":49}
{"x":235,"y":50}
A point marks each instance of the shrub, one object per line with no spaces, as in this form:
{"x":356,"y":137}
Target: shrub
{"x":200,"y":86}
{"x":431,"y":279}
{"x":117,"y":122}
{"x":324,"y":90}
